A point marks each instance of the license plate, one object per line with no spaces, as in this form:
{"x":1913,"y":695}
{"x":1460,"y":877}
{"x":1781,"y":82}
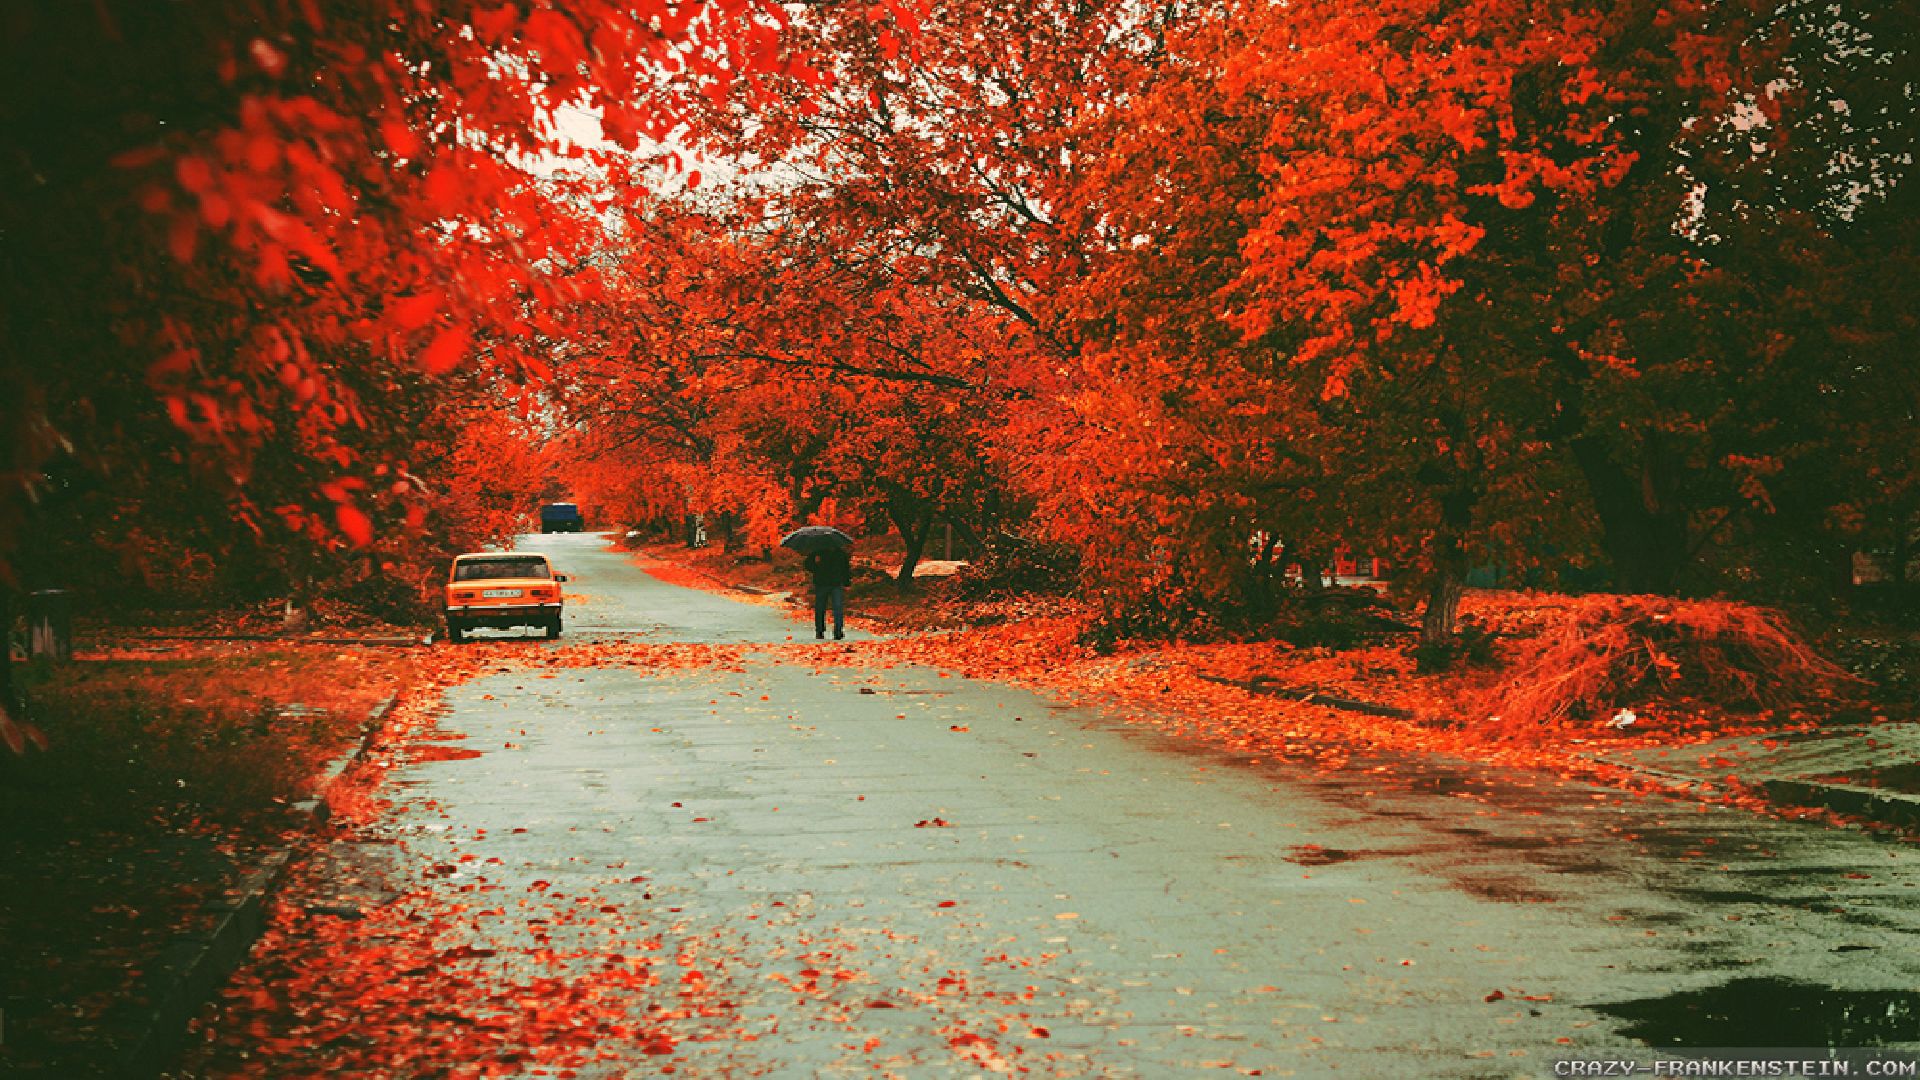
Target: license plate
{"x":491,"y":593}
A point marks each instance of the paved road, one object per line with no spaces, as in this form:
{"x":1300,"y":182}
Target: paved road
{"x":608,"y":597}
{"x":856,"y":871}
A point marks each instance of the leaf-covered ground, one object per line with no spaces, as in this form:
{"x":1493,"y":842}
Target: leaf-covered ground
{"x":474,"y":952}
{"x":167,"y":774}
{"x":421,"y":983}
{"x":565,"y":953}
{"x":1188,"y":687}
{"x":170,"y":762}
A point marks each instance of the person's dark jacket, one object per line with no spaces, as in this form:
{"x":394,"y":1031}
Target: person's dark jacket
{"x":830,"y":567}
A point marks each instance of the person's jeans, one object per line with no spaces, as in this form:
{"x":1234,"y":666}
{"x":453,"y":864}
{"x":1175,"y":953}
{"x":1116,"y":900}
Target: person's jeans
{"x":823,"y":596}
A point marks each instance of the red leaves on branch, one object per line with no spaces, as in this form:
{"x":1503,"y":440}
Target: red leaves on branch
{"x":449,"y":347}
{"x":416,"y":311}
{"x":19,"y":734}
{"x":400,"y":138}
{"x":1163,"y":287}
{"x":354,"y":524}
{"x":316,"y":179}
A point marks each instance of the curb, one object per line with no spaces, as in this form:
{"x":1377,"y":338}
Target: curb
{"x":293,"y":639}
{"x":1874,"y":804}
{"x":1263,"y":685}
{"x":1886,"y":807}
{"x":1672,"y":781}
{"x":191,"y":971}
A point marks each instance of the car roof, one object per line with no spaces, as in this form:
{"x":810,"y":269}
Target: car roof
{"x":499,"y":555}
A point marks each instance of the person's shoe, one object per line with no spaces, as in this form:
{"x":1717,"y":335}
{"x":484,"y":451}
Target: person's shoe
{"x":837,"y":635}
{"x":819,"y":635}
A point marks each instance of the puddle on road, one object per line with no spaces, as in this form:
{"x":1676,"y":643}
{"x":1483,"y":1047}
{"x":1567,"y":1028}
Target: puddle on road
{"x":1576,"y":866}
{"x":1523,"y":843}
{"x":1902,"y":778}
{"x":1719,"y":897}
{"x":1774,"y":1013}
{"x":1315,"y":855}
{"x":1508,"y":890}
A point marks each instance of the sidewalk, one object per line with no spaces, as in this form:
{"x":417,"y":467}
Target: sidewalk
{"x":1870,"y":770}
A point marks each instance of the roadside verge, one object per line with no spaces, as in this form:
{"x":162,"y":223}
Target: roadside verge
{"x":192,"y":969}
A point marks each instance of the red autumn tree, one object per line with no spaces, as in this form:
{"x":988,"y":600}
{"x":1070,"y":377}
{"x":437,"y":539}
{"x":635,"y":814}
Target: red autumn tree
{"x":1462,"y":257}
{"x":240,"y":236}
{"x":767,"y":374}
{"x":1555,"y":196}
{"x":272,"y":213}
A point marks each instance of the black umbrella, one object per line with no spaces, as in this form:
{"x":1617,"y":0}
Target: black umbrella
{"x":811,"y":538}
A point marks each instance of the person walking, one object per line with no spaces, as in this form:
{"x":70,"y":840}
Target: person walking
{"x":832,"y":570}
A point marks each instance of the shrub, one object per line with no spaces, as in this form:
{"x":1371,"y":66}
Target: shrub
{"x":1471,"y":646}
{"x":1011,"y":564}
{"x":1331,"y":618}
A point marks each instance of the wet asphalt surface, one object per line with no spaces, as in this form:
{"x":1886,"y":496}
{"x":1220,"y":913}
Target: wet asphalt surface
{"x":892,"y":872}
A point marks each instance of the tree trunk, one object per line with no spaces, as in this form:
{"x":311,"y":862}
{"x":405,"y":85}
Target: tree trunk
{"x":807,"y":505}
{"x":8,"y":700}
{"x":1441,"y":615}
{"x":968,"y":536}
{"x":11,"y":706}
{"x":1262,"y":592}
{"x":1643,"y":525}
{"x":914,"y":534}
{"x":1456,"y":478}
{"x":1902,"y":554}
{"x":296,"y":612}
{"x":1449,"y":557}
{"x":1309,"y":568}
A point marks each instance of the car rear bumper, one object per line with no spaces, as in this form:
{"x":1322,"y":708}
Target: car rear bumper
{"x":515,"y":615}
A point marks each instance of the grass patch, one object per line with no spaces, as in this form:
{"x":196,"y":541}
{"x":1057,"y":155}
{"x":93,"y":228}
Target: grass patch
{"x":168,"y":773}
{"x":185,"y":736}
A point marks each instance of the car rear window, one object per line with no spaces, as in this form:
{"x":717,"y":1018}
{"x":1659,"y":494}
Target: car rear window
{"x":480,"y":569}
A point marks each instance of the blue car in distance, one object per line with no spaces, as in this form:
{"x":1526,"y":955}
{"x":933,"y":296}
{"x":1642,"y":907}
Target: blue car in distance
{"x":560,"y":517}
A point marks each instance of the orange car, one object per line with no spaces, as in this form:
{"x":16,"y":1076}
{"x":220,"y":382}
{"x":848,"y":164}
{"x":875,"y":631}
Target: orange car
{"x":501,"y":589}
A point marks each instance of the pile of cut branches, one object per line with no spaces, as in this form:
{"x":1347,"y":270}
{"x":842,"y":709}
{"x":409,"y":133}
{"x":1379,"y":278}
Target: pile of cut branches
{"x":1612,"y":652}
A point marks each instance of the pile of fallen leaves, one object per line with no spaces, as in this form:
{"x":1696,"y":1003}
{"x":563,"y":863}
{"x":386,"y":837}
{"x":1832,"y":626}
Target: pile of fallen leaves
{"x":679,"y":572}
{"x":442,"y":983}
{"x":1611,"y":652}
